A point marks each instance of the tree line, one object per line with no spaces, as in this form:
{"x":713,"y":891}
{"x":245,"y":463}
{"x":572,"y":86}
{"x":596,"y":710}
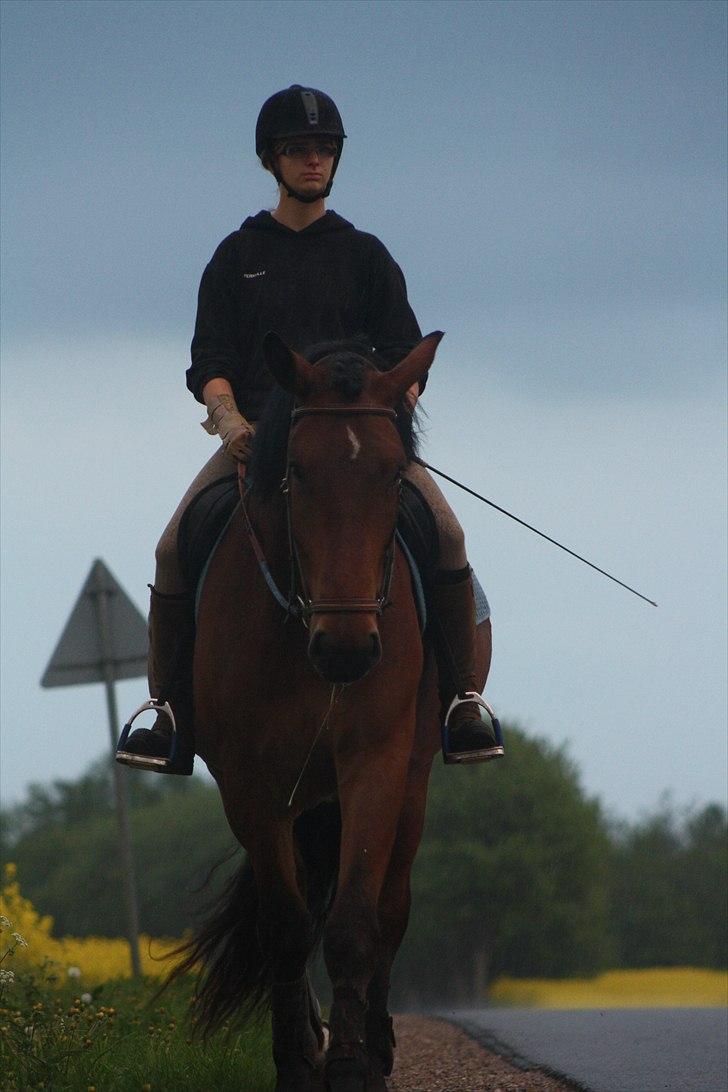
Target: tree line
{"x":519,"y":871}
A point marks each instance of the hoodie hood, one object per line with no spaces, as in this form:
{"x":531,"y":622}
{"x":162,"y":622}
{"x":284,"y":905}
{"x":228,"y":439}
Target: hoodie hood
{"x":330,"y":221}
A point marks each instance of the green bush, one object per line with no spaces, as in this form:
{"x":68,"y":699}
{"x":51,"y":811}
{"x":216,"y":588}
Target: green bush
{"x":512,"y":876}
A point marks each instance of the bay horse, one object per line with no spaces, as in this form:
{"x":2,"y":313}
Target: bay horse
{"x":320,"y":735}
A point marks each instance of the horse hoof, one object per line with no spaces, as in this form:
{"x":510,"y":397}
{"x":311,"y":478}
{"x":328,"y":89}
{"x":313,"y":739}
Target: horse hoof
{"x":347,"y":1084}
{"x":376,"y":1080}
{"x":300,"y":1080}
{"x":346,"y":1075}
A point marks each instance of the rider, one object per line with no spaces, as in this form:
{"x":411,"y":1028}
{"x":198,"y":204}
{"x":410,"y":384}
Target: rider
{"x":308,"y":274}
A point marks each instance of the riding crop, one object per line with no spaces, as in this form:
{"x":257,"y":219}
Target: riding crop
{"x":523,"y":523}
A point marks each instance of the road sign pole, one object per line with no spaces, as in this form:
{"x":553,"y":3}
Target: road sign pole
{"x":105,"y":639}
{"x":100,"y":596}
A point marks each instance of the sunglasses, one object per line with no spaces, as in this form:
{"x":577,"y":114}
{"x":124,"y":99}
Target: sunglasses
{"x":295,"y":150}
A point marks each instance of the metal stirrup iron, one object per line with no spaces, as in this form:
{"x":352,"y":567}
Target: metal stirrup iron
{"x":148,"y":762}
{"x":483,"y":754}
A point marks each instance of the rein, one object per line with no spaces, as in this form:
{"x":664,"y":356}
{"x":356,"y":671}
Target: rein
{"x":370,"y":411}
{"x":299,"y":604}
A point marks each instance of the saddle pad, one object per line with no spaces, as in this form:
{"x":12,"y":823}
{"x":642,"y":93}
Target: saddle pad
{"x":209,"y":512}
{"x":482,"y":606}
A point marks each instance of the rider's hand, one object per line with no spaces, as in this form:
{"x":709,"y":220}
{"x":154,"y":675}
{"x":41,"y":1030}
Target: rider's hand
{"x":237,"y":442}
{"x":227,"y":422}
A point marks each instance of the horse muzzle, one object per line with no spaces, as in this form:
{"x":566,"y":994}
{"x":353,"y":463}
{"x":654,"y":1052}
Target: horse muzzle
{"x":341,"y":657}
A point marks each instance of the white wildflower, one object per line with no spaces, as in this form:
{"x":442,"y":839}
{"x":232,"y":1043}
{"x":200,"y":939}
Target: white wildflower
{"x":74,"y":972}
{"x":5,"y":923}
{"x":6,"y":977}
{"x":87,"y":998}
{"x":20,"y":940}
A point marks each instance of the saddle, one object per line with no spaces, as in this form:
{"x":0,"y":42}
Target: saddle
{"x":203,"y":522}
{"x":207,"y":516}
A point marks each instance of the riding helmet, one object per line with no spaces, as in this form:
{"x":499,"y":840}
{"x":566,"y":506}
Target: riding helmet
{"x":299,"y":111}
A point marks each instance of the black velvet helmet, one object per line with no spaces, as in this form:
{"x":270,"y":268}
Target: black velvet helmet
{"x":299,"y":111}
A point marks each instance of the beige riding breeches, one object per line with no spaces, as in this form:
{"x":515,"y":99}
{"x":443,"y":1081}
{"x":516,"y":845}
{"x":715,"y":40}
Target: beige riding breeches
{"x":170,"y":581}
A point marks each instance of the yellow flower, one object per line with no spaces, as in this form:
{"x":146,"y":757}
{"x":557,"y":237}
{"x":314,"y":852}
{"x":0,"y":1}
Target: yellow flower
{"x":655,"y":987}
{"x":98,"y":959}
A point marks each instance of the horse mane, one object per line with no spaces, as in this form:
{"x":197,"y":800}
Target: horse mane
{"x":348,"y":364}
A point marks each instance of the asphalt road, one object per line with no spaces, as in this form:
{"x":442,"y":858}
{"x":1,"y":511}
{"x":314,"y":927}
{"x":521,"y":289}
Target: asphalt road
{"x":610,"y":1050}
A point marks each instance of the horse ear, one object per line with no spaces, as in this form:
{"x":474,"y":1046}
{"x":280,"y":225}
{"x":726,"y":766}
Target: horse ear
{"x":417,"y":362}
{"x":290,"y":370}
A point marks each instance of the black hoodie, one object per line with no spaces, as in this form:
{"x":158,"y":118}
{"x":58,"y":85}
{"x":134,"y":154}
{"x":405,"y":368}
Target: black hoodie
{"x":327,"y":282}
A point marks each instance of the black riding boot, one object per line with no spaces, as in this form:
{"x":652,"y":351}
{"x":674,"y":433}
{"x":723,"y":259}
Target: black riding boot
{"x":169,"y":745}
{"x":471,"y":732}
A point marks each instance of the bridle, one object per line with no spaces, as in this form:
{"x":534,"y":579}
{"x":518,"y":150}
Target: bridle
{"x":331,"y":605}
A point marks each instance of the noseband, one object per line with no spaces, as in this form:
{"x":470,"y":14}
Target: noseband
{"x":331,"y":605}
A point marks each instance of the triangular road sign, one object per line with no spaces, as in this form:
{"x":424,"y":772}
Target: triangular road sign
{"x":103,"y":615}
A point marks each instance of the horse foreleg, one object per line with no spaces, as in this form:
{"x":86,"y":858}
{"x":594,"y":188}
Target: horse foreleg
{"x":285,"y":933}
{"x":393,"y":913}
{"x":298,"y":1039}
{"x":371,"y":789}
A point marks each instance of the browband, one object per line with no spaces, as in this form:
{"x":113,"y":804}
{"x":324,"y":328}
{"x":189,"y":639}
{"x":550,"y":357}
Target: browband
{"x":376,"y":411}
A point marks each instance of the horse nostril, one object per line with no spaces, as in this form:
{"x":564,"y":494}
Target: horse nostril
{"x":344,"y":661}
{"x":317,"y":644}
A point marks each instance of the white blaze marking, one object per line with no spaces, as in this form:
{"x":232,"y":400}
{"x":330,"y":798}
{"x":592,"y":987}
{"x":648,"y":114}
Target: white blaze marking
{"x":355,"y":445}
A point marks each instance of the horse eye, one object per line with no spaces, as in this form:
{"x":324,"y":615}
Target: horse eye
{"x":295,"y":472}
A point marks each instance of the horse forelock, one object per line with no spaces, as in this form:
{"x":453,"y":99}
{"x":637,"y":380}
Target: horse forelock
{"x":344,"y":367}
{"x":346,"y":375}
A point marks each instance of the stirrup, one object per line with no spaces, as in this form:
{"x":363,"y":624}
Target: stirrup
{"x":149,"y":762}
{"x":488,"y":717}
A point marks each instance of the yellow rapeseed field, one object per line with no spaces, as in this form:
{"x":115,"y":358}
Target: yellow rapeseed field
{"x":668,"y":987}
{"x":92,"y":960}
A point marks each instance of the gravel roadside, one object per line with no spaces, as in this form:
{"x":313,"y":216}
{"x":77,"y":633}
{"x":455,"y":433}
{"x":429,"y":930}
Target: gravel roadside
{"x":433,"y":1056}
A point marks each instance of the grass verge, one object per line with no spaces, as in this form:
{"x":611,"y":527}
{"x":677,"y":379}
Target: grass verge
{"x":118,"y":1038}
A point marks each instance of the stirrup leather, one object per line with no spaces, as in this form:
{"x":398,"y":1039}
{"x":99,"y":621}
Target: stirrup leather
{"x":487,"y":716}
{"x":149,"y":762}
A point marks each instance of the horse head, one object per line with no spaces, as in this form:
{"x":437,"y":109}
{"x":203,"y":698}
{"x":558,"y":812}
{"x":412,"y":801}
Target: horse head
{"x":344,"y":464}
